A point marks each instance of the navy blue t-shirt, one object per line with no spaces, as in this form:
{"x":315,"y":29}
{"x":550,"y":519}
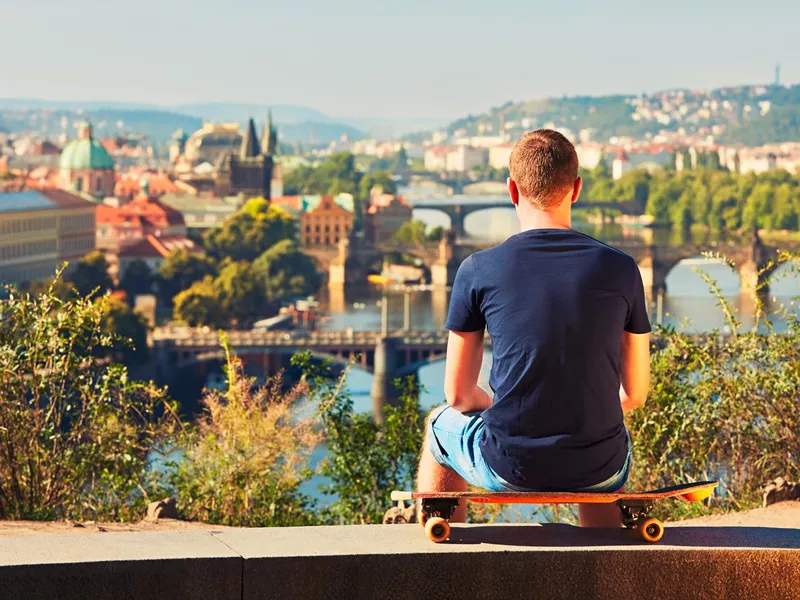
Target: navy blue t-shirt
{"x":555,"y":303}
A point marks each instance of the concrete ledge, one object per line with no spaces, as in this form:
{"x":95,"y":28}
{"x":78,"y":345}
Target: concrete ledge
{"x":174,"y":564}
{"x":397,"y":561}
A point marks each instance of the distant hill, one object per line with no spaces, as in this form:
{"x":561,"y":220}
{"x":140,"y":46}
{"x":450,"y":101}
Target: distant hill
{"x":281,"y":113}
{"x":295,"y":123}
{"x":750,"y":115}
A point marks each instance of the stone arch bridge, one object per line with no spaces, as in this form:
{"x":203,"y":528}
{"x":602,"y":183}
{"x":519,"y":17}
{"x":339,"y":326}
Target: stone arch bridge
{"x":386,"y":356}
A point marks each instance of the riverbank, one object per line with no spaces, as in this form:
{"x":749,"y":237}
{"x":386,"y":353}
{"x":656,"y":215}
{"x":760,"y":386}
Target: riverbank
{"x":780,"y":515}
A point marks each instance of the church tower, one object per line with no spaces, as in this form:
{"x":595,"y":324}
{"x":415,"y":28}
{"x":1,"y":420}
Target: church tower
{"x":248,"y":172}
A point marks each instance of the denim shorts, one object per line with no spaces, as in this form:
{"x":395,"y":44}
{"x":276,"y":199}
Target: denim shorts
{"x":454,"y":437}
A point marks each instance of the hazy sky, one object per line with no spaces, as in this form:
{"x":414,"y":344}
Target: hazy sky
{"x":409,"y":58}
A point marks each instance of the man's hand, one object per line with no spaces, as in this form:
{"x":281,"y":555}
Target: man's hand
{"x":635,"y":370}
{"x":463,"y":366}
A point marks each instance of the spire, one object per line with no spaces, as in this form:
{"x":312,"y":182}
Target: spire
{"x":250,"y":146}
{"x":269,"y":137}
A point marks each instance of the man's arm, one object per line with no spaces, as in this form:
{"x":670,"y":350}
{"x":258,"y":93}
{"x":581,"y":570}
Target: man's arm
{"x":462,"y":368}
{"x":635,"y":371}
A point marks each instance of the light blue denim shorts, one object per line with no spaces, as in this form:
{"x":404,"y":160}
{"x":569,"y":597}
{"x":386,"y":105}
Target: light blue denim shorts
{"x":454,"y":437}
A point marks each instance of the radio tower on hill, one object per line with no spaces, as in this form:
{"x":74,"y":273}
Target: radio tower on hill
{"x":778,"y":75}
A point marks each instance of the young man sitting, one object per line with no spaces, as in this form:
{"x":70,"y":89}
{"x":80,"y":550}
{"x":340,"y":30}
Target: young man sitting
{"x":570,"y":343}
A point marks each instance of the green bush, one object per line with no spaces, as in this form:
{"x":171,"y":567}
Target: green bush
{"x":75,"y":433}
{"x":366,"y":460}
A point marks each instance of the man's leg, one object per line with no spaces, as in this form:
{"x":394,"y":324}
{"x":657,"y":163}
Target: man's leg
{"x":433,"y":477}
{"x":600,"y":515}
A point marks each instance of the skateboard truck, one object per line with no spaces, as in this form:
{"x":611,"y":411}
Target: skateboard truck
{"x":634,"y":516}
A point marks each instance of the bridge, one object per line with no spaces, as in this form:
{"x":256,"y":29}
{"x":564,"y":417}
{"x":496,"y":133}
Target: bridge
{"x":387,"y":355}
{"x":457,"y":208}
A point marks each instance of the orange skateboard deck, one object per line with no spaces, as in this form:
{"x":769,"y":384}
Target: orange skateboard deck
{"x":438,"y":507}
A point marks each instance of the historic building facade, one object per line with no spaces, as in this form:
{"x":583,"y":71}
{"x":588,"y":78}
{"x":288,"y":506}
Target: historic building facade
{"x":385,"y":214}
{"x":325,"y":225}
{"x":39,"y":230}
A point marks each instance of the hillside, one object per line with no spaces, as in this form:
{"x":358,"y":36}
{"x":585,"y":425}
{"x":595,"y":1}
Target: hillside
{"x":750,"y":115}
{"x":295,"y":123}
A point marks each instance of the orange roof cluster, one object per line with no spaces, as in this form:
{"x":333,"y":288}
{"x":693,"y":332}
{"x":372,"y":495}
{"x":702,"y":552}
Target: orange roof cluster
{"x":158,"y":183}
{"x":143,"y":210}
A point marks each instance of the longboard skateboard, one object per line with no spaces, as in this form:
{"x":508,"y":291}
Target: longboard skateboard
{"x":438,"y":507}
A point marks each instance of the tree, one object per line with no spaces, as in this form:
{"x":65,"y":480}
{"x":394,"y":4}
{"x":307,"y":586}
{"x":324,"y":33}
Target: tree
{"x":200,"y":305}
{"x":286,"y":272}
{"x":250,"y":231}
{"x":437,"y":233}
{"x":90,"y":277}
{"x":412,"y":232}
{"x":128,"y":330}
{"x":137,"y":280}
{"x":181,"y":269}
{"x":241,"y":292}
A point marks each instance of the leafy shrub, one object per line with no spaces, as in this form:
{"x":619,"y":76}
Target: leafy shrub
{"x":74,"y":431}
{"x":243,"y":461}
{"x":366,"y":460}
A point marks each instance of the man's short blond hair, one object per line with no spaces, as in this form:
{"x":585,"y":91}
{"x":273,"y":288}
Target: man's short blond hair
{"x":544,"y":165}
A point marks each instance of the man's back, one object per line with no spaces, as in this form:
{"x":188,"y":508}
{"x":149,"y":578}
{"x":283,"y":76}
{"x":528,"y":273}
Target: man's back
{"x":556,"y":303}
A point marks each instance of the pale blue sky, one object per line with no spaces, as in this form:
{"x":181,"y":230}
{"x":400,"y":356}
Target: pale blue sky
{"x":413,"y":58}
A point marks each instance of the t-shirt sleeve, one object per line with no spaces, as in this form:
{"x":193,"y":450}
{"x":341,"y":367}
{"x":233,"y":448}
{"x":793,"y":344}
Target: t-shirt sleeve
{"x":464,"y":313}
{"x":637,"y":321}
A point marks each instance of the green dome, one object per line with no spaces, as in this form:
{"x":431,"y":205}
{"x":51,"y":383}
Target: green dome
{"x":85,"y":153}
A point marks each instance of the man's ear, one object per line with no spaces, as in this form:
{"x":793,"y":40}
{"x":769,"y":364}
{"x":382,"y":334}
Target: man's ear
{"x":576,"y":189}
{"x":513,"y":191}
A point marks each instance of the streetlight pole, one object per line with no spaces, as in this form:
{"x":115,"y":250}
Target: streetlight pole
{"x":384,"y":314}
{"x":406,"y":310}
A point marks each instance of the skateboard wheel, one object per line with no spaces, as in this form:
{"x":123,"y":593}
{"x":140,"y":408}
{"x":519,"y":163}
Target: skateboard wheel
{"x":437,"y":529}
{"x":651,"y":529}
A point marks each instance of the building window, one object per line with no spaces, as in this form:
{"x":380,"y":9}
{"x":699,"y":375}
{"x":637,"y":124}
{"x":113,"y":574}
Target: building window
{"x":327,"y":241}
{"x":308,"y":228}
{"x":327,"y":228}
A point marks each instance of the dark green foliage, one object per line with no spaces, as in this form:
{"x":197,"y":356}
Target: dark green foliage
{"x":366,"y":460}
{"x":90,"y":276}
{"x":286,"y":272}
{"x":138,"y":279}
{"x":180,"y":270}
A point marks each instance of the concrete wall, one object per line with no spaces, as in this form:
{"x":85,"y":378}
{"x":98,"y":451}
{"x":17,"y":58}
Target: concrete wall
{"x":396,"y":561}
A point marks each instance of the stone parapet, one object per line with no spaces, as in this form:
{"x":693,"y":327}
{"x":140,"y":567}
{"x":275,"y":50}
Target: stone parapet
{"x":397,"y":561}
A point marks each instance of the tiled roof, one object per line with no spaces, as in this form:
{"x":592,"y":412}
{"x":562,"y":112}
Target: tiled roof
{"x":158,"y":247}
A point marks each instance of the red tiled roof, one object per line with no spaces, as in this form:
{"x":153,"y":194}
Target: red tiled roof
{"x":159,"y":247}
{"x":157,"y":183}
{"x":140,"y":209}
